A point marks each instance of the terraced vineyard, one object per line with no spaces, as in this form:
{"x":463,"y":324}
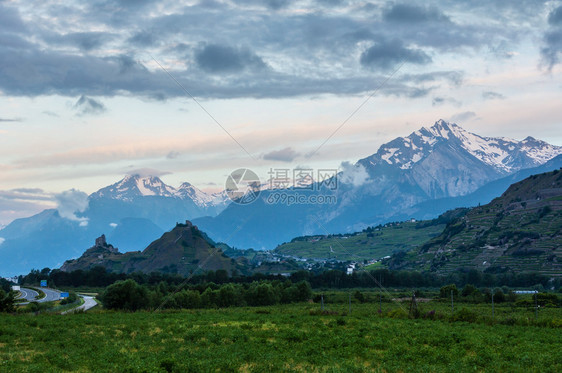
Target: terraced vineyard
{"x":372,"y":244}
{"x":519,"y":231}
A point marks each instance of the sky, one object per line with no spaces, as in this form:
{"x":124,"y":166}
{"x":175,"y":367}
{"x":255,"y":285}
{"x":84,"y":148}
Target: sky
{"x":191,"y":90}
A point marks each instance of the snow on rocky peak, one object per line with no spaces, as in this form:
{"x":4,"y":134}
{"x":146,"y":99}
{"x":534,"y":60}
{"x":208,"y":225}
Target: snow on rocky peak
{"x":201,"y":198}
{"x":503,"y":154}
{"x":133,"y":186}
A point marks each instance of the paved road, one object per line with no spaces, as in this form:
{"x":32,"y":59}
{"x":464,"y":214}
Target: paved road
{"x":29,"y":295}
{"x":89,"y":302}
{"x":50,"y":295}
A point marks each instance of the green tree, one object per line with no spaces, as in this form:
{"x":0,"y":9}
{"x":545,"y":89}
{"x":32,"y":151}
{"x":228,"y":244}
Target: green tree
{"x":261,"y":294}
{"x":445,"y":291}
{"x":7,"y":303}
{"x":359,"y":296}
{"x":304,"y":291}
{"x":125,"y":295}
{"x":468,"y":290}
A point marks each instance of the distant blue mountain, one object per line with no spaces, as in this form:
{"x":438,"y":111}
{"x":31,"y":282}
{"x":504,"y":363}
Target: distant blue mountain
{"x":132,"y":213}
{"x":422,"y":175}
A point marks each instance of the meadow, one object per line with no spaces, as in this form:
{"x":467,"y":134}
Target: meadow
{"x":293,"y":337}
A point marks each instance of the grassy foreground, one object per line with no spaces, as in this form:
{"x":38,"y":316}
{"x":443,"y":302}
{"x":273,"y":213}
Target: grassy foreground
{"x":281,"y":338}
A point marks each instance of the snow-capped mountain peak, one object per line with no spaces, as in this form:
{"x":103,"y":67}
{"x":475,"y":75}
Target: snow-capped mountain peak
{"x":134,"y":186}
{"x":200,"y":197}
{"x":503,"y":154}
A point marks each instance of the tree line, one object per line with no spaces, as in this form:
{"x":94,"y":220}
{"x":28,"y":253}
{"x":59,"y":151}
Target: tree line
{"x":99,"y":277}
{"x":131,"y":296}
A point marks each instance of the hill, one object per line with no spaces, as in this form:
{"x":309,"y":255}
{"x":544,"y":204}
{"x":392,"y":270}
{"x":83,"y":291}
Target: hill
{"x":183,"y":250}
{"x":373,"y":243}
{"x":519,"y":231}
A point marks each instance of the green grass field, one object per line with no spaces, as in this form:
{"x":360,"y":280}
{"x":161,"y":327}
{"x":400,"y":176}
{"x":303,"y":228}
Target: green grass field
{"x":278,"y":338}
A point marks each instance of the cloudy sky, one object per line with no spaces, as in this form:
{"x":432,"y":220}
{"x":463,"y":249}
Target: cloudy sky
{"x":191,"y":90}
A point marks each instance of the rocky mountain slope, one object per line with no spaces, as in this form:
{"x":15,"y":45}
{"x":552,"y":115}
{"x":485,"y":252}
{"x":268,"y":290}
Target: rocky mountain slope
{"x":183,"y":250}
{"x":519,"y":231}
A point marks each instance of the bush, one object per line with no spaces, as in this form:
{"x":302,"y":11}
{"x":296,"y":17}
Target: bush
{"x":7,"y":302}
{"x":125,"y":295}
{"x":464,"y":314}
{"x":72,"y":297}
{"x":359,"y":296}
{"x":468,"y":290}
{"x":397,"y":313}
{"x":499,"y":296}
{"x":445,"y":291}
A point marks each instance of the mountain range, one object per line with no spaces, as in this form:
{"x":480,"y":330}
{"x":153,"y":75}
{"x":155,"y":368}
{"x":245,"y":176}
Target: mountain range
{"x":422,"y":175}
{"x":132,"y":213}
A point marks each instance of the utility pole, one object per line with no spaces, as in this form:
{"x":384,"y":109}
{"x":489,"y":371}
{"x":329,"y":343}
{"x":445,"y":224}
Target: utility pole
{"x":452,"y":304}
{"x":493,"y":305}
{"x":322,"y":302}
{"x":349,"y":313}
{"x":536,"y":304}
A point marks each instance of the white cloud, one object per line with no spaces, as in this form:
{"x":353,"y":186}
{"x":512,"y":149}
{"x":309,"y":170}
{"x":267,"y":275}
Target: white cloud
{"x":2,"y":239}
{"x":70,"y":202}
{"x":353,"y":174}
{"x":112,"y":225}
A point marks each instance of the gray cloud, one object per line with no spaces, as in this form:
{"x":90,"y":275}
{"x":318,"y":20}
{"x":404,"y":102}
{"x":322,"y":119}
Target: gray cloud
{"x":143,"y":38}
{"x":216,"y":58}
{"x":453,"y":77}
{"x":292,"y":53}
{"x":413,"y":13}
{"x":50,"y":113}
{"x":23,"y":202}
{"x":437,"y":101}
{"x":26,"y":194}
{"x":85,"y":41}
{"x":10,"y":20}
{"x":387,"y":54}
{"x":145,"y":172}
{"x":89,"y":106}
{"x":551,"y":51}
{"x":283,"y":155}
{"x":462,"y":117}
{"x":555,"y":17}
{"x":10,"y":119}
{"x":489,"y":95}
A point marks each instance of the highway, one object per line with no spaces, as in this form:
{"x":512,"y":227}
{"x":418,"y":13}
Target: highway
{"x":52,"y":295}
{"x":89,"y":302}
{"x":29,"y":295}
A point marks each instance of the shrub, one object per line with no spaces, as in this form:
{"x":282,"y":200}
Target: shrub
{"x":125,"y":295}
{"x":464,"y":314}
{"x":445,"y":291}
{"x":468,"y":290}
{"x":397,"y":313}
{"x":359,"y":296}
{"x":7,"y":302}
